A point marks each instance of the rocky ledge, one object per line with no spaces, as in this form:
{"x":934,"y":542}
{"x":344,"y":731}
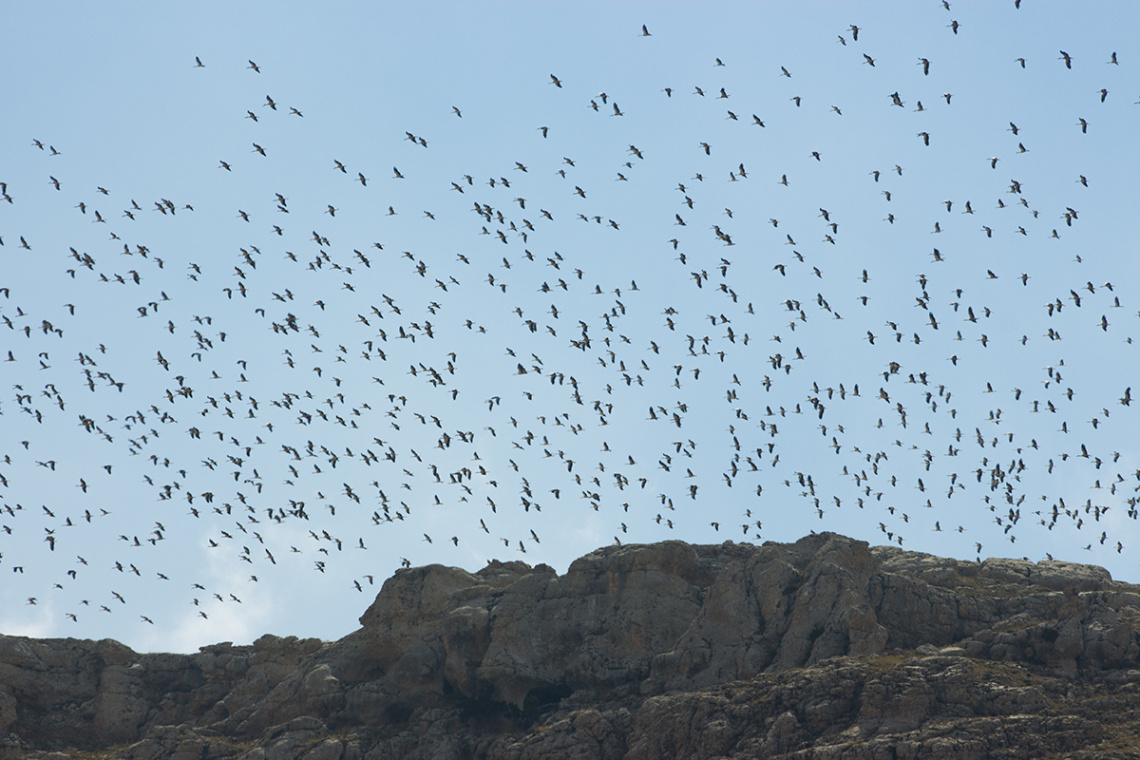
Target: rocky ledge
{"x":825,"y":648}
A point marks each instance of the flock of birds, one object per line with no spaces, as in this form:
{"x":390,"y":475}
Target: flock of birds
{"x":305,"y":395}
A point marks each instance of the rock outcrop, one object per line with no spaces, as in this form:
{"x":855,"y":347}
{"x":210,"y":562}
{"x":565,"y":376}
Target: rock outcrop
{"x":825,"y":648}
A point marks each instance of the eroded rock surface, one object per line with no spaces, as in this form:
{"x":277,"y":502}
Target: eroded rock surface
{"x":825,"y":648}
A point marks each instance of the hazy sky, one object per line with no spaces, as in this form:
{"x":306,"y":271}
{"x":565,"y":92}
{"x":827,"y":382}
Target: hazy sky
{"x":447,"y":282}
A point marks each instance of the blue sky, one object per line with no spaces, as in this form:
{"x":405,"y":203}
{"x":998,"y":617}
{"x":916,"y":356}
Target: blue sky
{"x":397,"y":370}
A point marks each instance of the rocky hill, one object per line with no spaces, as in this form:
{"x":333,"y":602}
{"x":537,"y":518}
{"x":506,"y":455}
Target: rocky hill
{"x":825,"y":648}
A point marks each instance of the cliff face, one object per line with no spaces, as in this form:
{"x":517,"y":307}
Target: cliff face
{"x":818,"y":649}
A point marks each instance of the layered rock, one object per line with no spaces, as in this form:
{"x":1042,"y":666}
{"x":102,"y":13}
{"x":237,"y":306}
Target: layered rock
{"x":822,"y":648}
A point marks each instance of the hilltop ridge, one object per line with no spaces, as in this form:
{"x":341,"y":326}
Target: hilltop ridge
{"x":823,"y":648}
